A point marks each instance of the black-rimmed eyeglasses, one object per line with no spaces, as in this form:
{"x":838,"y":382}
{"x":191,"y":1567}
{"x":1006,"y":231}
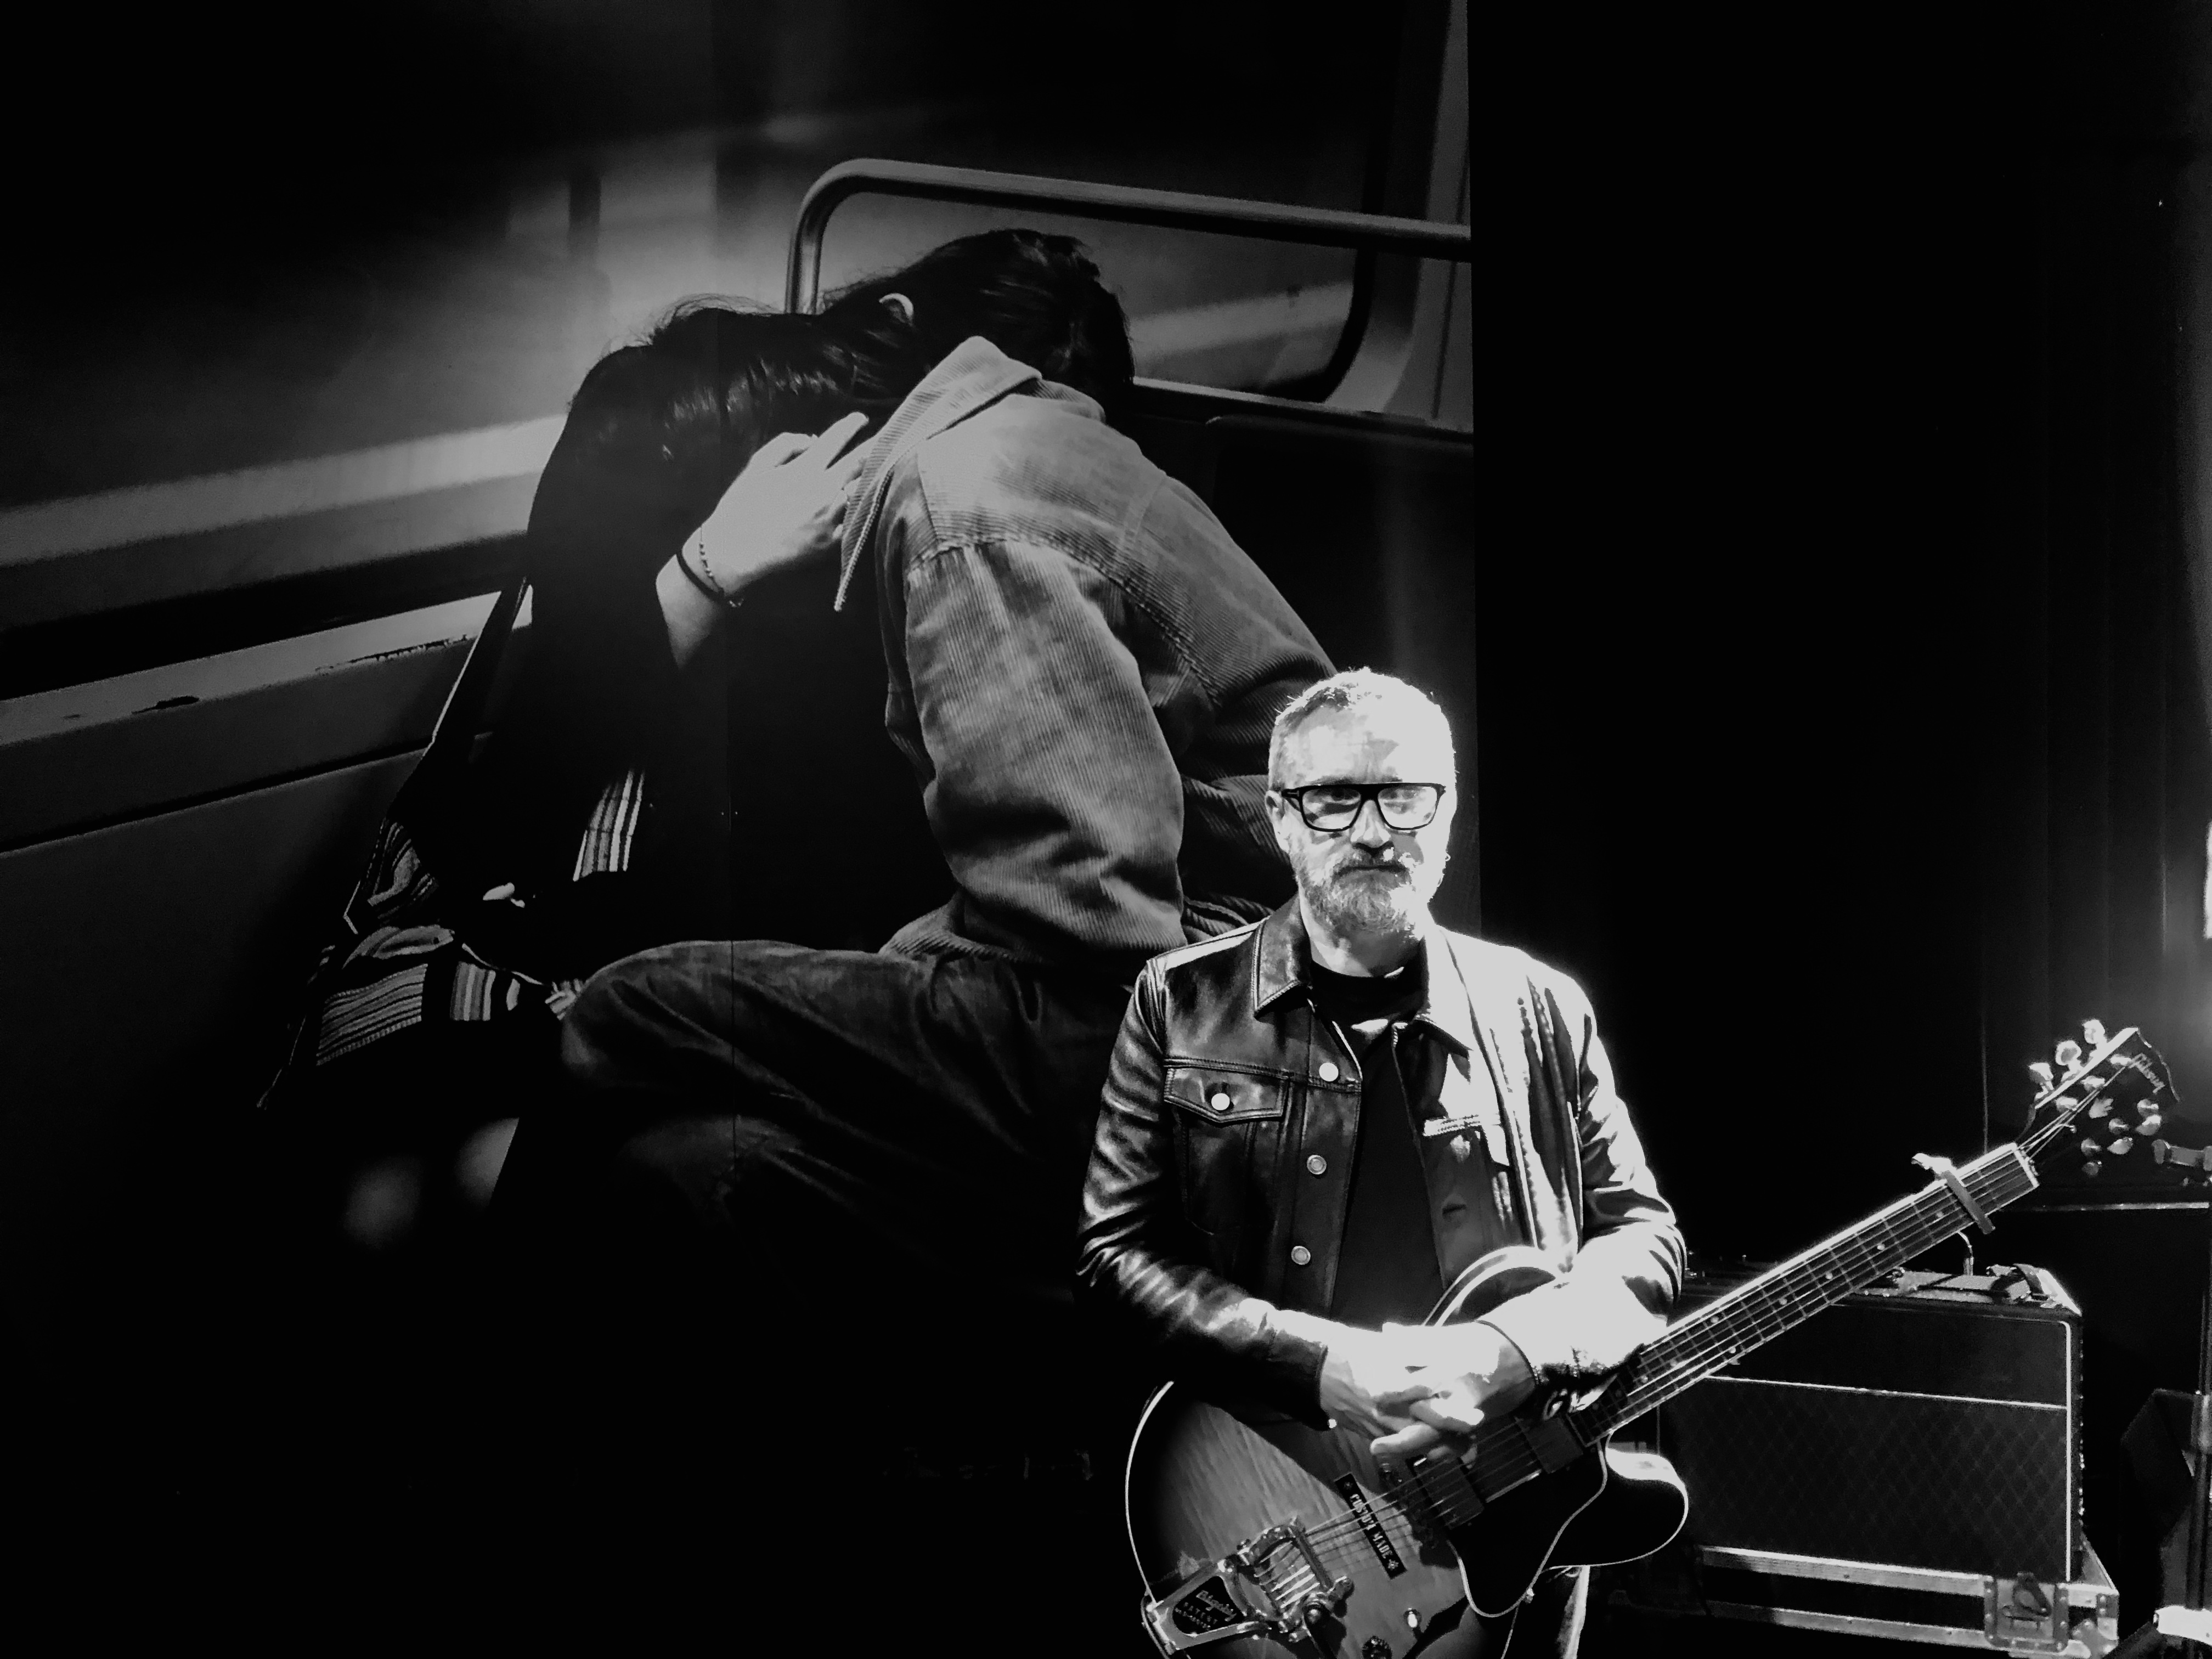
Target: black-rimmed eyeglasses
{"x":1334,"y":805}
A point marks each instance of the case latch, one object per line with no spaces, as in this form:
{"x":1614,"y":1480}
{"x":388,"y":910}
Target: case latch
{"x":2023,"y":1615}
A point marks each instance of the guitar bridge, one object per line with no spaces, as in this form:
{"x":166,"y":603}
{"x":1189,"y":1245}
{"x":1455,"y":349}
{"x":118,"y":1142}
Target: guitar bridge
{"x":1249,"y":1592}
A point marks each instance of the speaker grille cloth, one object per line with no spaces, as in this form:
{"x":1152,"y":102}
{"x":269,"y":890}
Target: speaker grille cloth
{"x":1956,"y":1485}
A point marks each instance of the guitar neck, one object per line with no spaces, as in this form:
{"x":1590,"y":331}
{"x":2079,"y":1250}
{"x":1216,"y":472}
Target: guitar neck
{"x":1723,"y":1332}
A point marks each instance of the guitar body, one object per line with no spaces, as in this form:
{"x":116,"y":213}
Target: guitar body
{"x":1204,"y":1480}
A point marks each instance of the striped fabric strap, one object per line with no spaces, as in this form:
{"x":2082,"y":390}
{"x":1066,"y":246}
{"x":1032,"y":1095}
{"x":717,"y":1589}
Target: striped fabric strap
{"x":352,"y":1019}
{"x":604,"y":849}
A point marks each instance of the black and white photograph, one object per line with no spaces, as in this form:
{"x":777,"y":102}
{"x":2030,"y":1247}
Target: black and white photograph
{"x":872,"y":827}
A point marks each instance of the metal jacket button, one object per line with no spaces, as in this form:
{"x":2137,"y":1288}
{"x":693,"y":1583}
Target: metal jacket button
{"x":1300,"y":1255}
{"x":1328,"y":1072}
{"x":1316,"y":1164}
{"x":1219,"y":1101}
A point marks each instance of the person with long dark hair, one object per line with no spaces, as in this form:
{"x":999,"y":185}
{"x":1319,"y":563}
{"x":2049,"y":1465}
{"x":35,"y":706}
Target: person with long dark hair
{"x":598,"y":819}
{"x":1082,"y":671}
{"x":775,"y":1093}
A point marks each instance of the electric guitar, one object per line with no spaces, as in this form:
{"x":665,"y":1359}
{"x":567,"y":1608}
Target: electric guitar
{"x":1259,"y":1537}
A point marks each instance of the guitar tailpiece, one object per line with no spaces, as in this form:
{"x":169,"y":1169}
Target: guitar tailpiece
{"x":1237,"y":1596}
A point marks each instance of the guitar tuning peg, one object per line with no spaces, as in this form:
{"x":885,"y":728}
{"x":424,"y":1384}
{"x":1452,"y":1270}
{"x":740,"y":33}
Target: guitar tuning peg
{"x":2100,"y":1109}
{"x":2091,"y":1149}
{"x":2093,"y":1032}
{"x":2092,"y":1168}
{"x":2041,"y":1071}
{"x":2150,"y":1123}
{"x":2069,"y":1054}
{"x":2120,"y":1146}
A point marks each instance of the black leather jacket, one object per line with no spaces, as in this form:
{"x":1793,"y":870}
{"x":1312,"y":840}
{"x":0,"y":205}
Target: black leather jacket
{"x":1221,"y":1169}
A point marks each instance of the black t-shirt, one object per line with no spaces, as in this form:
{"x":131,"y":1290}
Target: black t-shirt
{"x":1387,"y":1269}
{"x":1349,"y":999}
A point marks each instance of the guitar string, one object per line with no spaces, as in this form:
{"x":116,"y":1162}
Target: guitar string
{"x":1339,"y":1542}
{"x":1342,"y":1541}
{"x":1795,"y":1297}
{"x":1816,"y":1274}
{"x":1504,"y":1462}
{"x":1912,"y":1225}
{"x":1999,"y":1182}
{"x":1799,"y":1288}
{"x":1789,"y":1303}
{"x":1691,"y":1345}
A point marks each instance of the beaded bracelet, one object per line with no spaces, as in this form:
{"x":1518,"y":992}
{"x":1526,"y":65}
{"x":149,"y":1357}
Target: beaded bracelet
{"x":701,"y":580}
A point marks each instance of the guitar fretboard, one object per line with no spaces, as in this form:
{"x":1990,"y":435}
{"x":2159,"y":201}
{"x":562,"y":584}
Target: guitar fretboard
{"x":1718,"y":1334}
{"x":1723,"y":1332}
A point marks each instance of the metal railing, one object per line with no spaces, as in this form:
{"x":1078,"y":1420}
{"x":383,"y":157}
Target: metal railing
{"x":1222,"y":216}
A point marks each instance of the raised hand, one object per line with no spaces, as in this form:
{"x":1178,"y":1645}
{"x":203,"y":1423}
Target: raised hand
{"x":786,"y":507}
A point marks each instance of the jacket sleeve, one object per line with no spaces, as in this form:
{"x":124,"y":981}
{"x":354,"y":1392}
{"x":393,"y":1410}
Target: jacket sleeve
{"x":1628,"y":1268}
{"x":1141,"y":1260}
{"x":1050,"y":786}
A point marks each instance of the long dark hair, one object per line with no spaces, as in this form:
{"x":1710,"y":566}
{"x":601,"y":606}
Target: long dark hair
{"x":1037,"y":298}
{"x":686,"y":405}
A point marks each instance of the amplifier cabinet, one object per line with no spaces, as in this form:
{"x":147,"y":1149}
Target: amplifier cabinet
{"x":1907,"y":1464}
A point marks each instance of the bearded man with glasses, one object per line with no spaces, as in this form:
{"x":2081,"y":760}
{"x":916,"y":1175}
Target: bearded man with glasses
{"x":1315,"y":1124}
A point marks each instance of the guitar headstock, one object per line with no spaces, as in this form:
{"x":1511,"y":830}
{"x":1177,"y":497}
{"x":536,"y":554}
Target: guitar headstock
{"x":2103,"y":1102}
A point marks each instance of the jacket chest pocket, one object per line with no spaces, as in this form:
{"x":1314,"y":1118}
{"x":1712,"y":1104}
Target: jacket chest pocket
{"x":1229,"y":1125}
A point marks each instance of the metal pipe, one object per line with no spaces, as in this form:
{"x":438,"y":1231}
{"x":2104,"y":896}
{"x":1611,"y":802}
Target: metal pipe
{"x":1223,"y":215}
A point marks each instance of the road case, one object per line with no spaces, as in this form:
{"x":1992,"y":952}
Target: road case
{"x":1906,"y":1465}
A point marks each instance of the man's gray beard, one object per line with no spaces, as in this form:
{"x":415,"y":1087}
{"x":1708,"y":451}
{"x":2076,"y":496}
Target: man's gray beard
{"x":1375,"y":909}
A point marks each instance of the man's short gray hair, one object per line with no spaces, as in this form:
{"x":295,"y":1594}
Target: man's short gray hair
{"x":1359,"y":689}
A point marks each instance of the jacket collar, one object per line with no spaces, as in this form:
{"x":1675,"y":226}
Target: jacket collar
{"x":973,"y":376}
{"x":1280,"y":963}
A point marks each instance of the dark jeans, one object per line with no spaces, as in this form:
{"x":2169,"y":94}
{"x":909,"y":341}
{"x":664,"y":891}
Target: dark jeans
{"x":862,"y":1125}
{"x":802,"y":1210}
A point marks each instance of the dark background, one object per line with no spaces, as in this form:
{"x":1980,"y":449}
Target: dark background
{"x":227,"y":140}
{"x":1841,"y":716}
{"x":1841,"y":724}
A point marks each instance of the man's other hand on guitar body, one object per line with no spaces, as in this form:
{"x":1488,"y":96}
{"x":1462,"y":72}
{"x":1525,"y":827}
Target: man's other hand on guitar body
{"x":1415,"y":1388}
{"x":1366,"y":1377}
{"x":1464,"y":1377}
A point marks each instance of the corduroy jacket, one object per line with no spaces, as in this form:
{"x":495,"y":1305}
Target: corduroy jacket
{"x":1221,"y":1169}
